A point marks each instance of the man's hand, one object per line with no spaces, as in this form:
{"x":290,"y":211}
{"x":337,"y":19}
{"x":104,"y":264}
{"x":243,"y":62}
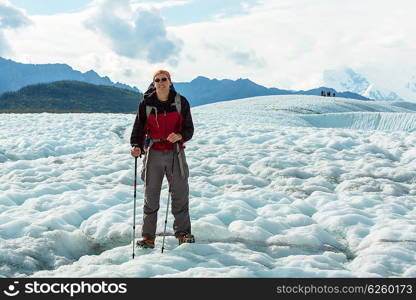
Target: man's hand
{"x":136,"y":152}
{"x":173,"y":137}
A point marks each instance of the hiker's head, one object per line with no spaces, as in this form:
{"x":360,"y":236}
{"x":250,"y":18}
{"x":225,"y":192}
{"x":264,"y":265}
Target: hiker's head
{"x":161,"y":79}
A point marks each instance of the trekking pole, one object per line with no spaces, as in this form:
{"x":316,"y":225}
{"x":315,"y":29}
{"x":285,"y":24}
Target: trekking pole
{"x":134,"y":209}
{"x":170,"y":191}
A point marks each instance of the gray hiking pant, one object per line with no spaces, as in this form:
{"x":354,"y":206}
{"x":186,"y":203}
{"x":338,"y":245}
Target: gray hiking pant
{"x":157,"y":164}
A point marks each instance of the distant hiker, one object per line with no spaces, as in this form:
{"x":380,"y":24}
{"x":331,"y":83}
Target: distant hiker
{"x":163,"y":124}
{"x":328,"y":93}
{"x":333,"y":94}
{"x":322,"y":93}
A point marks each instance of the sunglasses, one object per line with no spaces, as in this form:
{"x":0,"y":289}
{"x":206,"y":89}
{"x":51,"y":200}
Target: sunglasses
{"x":161,"y":79}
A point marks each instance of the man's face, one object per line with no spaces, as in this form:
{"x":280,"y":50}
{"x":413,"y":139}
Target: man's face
{"x":161,"y":82}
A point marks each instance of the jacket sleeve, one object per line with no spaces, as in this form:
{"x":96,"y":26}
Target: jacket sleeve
{"x":187,"y":128}
{"x":138,"y":133}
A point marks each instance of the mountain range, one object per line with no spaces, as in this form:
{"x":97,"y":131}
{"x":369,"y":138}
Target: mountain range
{"x":14,"y":75}
{"x":203,"y":90}
{"x":76,"y":96}
{"x":199,"y":91}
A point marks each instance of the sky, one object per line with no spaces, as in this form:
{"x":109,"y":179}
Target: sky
{"x":277,"y":43}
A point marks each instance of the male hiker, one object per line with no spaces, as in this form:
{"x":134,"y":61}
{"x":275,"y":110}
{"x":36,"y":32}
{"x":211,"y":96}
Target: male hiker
{"x":163,"y":124}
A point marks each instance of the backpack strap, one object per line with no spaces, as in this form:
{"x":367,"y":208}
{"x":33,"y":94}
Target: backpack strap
{"x":149,"y":110}
{"x":177,"y":103}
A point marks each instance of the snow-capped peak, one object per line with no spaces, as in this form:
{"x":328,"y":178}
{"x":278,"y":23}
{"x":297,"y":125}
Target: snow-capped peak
{"x":348,"y":79}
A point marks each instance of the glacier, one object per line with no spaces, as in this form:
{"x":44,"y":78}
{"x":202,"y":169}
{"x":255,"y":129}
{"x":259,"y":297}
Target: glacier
{"x":280,"y":186}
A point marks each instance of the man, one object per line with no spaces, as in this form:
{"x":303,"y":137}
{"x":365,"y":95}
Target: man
{"x":163,"y":119}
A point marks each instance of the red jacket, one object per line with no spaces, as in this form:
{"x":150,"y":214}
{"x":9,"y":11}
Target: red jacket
{"x":163,"y":122}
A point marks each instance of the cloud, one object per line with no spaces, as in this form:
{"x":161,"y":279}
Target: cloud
{"x":138,"y":33}
{"x":161,"y":4}
{"x":240,"y":57}
{"x":285,"y":43}
{"x":296,"y":40}
{"x":4,"y":46}
{"x":247,"y":58}
{"x":10,"y":18}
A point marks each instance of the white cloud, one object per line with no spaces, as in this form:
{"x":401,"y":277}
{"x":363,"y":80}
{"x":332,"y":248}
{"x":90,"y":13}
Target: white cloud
{"x":243,"y":57}
{"x":159,"y":5}
{"x":286,"y":44}
{"x":4,"y":45}
{"x":299,"y":39}
{"x":10,"y":18}
{"x":63,"y":38}
{"x":137,"y":34}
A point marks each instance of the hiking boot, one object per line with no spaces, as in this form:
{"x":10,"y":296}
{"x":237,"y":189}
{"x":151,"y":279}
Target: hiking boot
{"x":186,"y":238}
{"x":146,"y":243}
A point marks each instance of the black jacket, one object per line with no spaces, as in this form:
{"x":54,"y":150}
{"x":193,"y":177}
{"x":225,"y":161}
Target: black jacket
{"x":162,"y":123}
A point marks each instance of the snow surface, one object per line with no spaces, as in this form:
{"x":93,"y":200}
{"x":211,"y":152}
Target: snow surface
{"x":280,"y":186}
